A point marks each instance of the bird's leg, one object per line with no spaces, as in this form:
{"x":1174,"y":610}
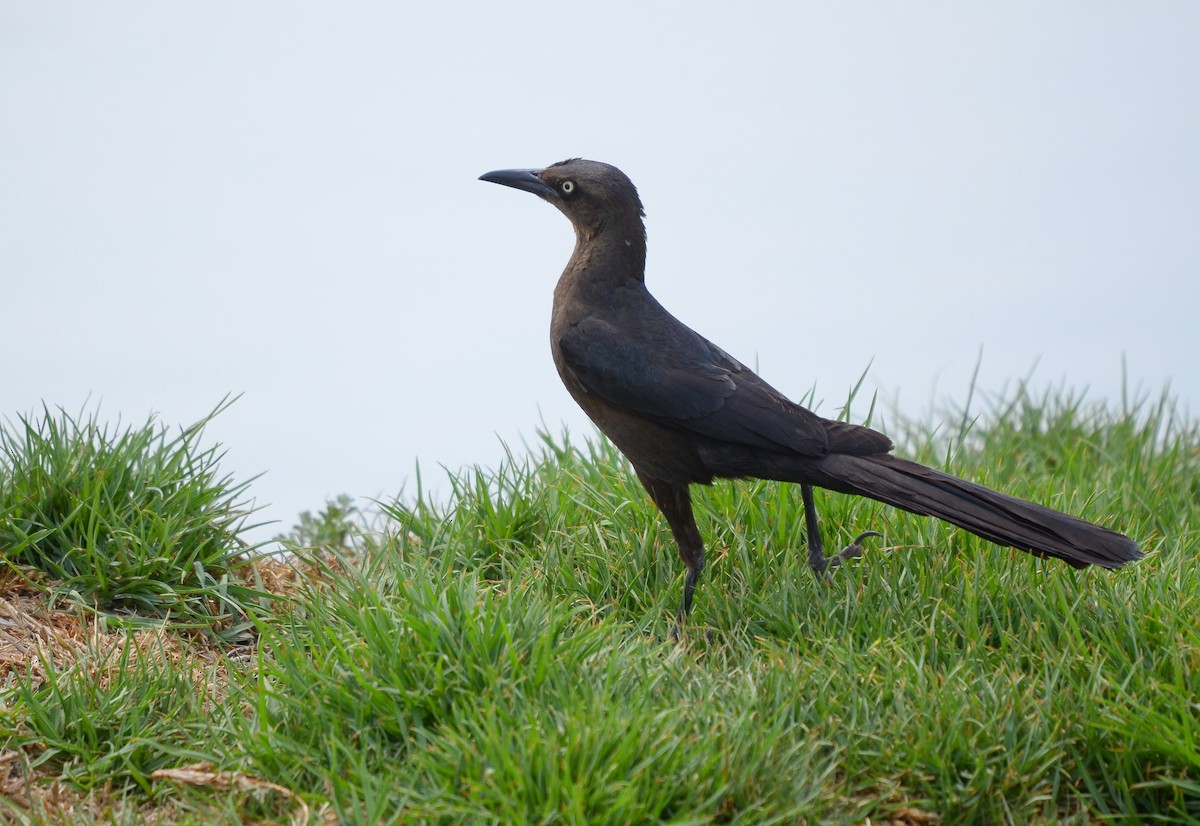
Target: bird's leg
{"x":816,"y":548}
{"x":675,"y":502}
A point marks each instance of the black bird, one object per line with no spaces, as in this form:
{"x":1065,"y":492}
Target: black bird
{"x":684,"y":412}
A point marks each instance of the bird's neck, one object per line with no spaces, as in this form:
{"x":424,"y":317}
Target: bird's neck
{"x":613,"y":256}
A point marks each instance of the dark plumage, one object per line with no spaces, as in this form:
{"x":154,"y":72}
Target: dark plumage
{"x":683,"y":411}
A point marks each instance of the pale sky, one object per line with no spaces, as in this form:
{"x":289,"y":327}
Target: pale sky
{"x":280,"y":200}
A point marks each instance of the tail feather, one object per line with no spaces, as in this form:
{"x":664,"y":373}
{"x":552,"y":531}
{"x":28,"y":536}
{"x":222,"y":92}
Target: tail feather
{"x":995,"y":516}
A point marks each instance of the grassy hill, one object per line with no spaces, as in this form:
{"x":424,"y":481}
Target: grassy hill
{"x":506,"y":656}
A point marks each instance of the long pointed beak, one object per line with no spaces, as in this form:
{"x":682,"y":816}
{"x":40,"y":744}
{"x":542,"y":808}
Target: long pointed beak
{"x":524,"y":179}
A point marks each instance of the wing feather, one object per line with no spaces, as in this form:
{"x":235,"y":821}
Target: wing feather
{"x":694,"y":385}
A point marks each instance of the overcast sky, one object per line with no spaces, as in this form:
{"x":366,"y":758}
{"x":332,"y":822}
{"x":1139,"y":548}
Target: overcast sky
{"x":280,"y":200}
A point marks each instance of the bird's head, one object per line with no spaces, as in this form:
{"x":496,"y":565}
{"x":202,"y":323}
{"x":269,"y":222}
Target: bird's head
{"x":593,"y":195}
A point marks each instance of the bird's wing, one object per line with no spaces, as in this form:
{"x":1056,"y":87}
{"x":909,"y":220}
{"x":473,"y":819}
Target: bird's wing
{"x":689,"y":383}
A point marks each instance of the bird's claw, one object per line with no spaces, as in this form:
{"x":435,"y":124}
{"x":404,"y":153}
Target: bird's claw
{"x":852,"y":551}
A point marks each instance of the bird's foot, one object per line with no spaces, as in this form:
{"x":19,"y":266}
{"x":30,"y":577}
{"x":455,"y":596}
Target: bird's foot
{"x":852,"y":551}
{"x":821,"y":563}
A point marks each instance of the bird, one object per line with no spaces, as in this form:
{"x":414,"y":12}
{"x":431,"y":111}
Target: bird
{"x":684,"y":412}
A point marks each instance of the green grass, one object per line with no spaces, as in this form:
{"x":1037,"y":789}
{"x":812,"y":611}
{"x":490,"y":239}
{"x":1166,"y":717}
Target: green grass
{"x":129,"y":519}
{"x":115,"y":716}
{"x":505,"y":657}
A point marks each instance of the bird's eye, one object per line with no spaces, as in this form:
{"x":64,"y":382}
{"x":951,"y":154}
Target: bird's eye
{"x":568,"y":187}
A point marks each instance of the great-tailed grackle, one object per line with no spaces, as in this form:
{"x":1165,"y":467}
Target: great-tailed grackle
{"x":684,"y":412}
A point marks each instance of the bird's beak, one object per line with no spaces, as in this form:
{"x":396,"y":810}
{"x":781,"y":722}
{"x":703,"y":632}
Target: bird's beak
{"x":525,"y":179}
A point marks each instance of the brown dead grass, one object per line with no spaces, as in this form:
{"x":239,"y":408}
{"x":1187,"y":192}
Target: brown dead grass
{"x":39,"y":632}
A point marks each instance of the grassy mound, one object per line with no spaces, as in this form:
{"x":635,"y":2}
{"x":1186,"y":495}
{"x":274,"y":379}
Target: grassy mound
{"x":505,"y":657}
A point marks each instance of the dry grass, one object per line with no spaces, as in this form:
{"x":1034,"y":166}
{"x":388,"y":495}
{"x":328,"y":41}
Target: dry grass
{"x":41,"y":631}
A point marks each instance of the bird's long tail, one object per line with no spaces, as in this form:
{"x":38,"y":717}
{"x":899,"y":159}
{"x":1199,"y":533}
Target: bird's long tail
{"x":1002,"y":519}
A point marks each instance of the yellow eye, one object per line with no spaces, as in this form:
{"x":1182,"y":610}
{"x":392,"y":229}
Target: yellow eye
{"x":568,"y":187}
